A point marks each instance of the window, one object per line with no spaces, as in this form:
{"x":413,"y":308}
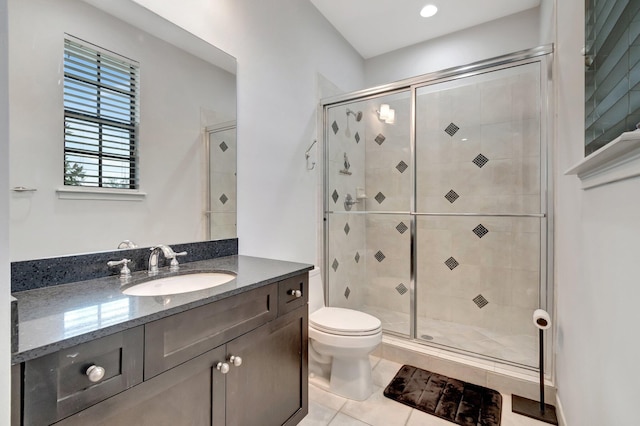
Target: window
{"x":612,"y":70}
{"x":100,"y":117}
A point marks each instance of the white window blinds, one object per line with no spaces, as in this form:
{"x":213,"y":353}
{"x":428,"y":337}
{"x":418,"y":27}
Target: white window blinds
{"x":101,"y":117}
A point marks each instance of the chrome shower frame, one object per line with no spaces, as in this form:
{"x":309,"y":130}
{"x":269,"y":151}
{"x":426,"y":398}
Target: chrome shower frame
{"x":541,"y":54}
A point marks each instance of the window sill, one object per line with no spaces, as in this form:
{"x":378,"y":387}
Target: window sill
{"x":79,"y":193}
{"x":618,"y":160}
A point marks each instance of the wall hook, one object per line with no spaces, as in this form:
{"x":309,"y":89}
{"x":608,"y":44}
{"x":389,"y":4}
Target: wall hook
{"x":307,"y":155}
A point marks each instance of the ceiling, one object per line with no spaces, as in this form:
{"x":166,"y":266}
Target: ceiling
{"x":374,"y":27}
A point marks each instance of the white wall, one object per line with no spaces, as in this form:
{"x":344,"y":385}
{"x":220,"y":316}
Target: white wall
{"x":179,"y":95}
{"x":281,"y":46}
{"x":5,"y":336}
{"x":597,"y":268}
{"x":500,"y":37}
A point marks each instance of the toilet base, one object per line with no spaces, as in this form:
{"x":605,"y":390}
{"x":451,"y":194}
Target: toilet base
{"x":351,"y":378}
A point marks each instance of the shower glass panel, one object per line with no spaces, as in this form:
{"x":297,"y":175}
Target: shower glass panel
{"x":369,"y":181}
{"x":479,"y":212}
{"x":436,"y":220}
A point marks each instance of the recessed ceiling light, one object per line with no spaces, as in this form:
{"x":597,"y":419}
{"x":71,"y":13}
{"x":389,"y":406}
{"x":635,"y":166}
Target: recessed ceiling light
{"x":428,"y":11}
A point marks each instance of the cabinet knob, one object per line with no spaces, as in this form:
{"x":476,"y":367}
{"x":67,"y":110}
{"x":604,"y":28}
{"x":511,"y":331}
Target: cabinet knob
{"x":223,"y":367}
{"x":295,"y":293}
{"x":235,"y":360}
{"x":95,"y":373}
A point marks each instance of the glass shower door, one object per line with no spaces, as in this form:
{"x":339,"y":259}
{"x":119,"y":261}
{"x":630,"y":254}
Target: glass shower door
{"x":479,"y":212}
{"x":369,"y":186}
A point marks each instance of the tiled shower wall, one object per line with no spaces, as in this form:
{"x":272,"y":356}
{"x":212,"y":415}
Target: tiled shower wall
{"x":478,"y":151}
{"x":222,"y":181}
{"x":346,"y":169}
{"x":476,"y":211}
{"x":369,"y":255}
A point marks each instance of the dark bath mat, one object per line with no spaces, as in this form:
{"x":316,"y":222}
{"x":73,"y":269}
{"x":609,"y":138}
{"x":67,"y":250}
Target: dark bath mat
{"x":450,"y":399}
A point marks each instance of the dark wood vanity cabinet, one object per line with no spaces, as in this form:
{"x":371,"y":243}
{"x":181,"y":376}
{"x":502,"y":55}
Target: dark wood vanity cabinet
{"x":189,"y":374}
{"x":271,"y":385}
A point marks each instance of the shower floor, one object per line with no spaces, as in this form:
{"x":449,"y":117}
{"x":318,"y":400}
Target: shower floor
{"x":513,"y":348}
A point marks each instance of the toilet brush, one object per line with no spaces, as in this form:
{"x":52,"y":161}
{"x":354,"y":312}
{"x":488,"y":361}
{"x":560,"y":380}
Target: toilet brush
{"x":528,"y":407}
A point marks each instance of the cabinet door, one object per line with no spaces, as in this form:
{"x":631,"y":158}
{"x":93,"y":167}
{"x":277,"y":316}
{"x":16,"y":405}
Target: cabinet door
{"x":191,"y":394}
{"x":270,"y":387}
{"x":57,"y":385}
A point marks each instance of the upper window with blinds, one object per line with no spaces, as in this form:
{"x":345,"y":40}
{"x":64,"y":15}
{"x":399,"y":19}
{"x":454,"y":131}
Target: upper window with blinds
{"x":612,"y":70}
{"x":101,"y":91}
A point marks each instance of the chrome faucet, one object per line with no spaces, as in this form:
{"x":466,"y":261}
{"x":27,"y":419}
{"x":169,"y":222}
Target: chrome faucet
{"x":168,"y":254}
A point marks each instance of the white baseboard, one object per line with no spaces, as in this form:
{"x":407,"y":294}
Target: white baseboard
{"x":562,"y":421}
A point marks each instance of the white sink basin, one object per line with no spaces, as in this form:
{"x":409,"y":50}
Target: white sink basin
{"x":179,"y":284}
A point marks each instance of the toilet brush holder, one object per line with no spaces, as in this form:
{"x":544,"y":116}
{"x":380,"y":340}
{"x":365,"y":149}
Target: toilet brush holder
{"x":528,"y":407}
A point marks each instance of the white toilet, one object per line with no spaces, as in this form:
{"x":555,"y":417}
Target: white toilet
{"x":340,"y":341}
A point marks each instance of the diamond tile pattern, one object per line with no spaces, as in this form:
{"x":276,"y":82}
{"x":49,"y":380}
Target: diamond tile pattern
{"x":451,"y":129}
{"x":402,"y":228}
{"x":335,"y":196}
{"x":357,"y":257}
{"x":357,"y":136}
{"x":480,"y":301}
{"x":451,"y":196}
{"x":335,"y":265}
{"x":347,"y":229}
{"x":223,"y":199}
{"x":380,"y":256}
{"x":223,"y":146}
{"x":451,"y":263}
{"x":335,"y":127}
{"x":347,"y":292}
{"x":380,"y":139}
{"x":480,"y":160}
{"x":380,"y":197}
{"x":402,"y":166}
{"x":401,"y":288}
{"x":480,"y":231}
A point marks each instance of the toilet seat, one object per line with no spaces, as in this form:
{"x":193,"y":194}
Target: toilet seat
{"x":344,"y":322}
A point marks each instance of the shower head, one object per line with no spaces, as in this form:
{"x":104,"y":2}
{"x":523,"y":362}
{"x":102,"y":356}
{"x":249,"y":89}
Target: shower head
{"x":357,"y":115}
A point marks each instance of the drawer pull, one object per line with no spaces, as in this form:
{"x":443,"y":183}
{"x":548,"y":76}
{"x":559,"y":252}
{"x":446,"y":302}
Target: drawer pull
{"x":95,"y":373}
{"x":235,"y":360}
{"x":295,"y":293}
{"x":223,"y":367}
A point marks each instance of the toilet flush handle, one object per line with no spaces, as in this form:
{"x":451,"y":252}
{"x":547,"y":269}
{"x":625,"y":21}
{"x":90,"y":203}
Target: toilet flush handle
{"x":294,"y":293}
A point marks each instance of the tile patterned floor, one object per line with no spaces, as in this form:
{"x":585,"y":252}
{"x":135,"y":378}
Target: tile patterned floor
{"x":326,"y":409}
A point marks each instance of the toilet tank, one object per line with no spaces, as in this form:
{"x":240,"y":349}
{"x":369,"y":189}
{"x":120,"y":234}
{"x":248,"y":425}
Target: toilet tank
{"x":316,"y":291}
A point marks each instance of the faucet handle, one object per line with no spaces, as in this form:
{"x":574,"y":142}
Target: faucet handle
{"x":174,"y":266}
{"x":125,"y":272}
{"x":127,"y":244}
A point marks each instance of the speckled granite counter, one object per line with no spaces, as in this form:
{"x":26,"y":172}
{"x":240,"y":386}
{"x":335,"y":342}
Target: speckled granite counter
{"x":62,"y":316}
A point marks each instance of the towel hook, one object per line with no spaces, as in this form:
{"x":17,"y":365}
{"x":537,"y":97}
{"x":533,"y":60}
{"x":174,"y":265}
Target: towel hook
{"x":307,"y":155}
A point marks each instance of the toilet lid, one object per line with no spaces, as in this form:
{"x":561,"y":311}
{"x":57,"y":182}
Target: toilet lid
{"x":345,"y":322}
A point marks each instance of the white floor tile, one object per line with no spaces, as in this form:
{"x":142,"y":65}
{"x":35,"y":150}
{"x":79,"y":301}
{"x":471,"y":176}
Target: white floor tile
{"x":319,"y":415}
{"x":328,"y":399}
{"x":344,"y":420}
{"x":327,"y":409}
{"x":384,"y":372}
{"x":378,"y":410}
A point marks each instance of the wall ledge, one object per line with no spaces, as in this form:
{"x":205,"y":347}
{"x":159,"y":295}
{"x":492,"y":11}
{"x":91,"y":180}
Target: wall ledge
{"x":618,"y":160}
{"x":88,"y":193}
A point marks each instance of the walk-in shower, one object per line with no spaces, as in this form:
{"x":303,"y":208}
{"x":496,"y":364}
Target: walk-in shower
{"x":440,"y":228}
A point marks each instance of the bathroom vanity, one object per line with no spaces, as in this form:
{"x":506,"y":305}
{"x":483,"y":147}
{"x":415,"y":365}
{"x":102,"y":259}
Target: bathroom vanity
{"x":235,"y":354}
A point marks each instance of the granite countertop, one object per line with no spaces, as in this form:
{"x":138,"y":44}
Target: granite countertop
{"x":58,"y":317}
